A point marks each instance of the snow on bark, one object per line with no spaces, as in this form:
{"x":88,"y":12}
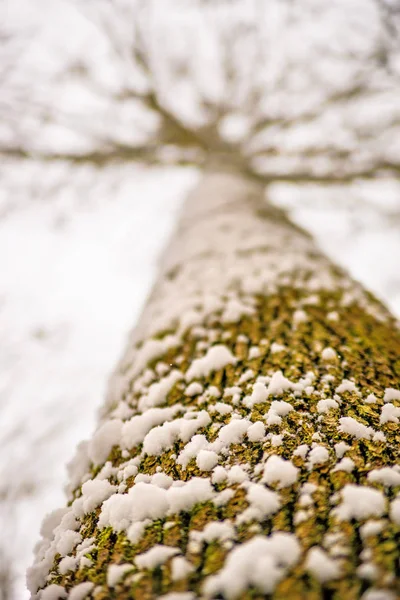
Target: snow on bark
{"x":219,"y":467}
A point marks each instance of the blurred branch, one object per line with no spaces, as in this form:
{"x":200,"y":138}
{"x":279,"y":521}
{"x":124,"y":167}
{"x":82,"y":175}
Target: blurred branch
{"x":147,"y":73}
{"x":147,"y":155}
{"x":379,"y":171}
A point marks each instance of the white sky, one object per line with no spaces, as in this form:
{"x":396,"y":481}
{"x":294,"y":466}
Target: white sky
{"x":75,"y":269}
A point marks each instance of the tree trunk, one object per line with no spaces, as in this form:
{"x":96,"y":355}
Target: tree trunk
{"x":249,"y":441}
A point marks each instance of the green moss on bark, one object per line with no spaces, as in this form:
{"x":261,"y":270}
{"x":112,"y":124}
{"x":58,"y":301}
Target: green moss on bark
{"x":368,"y":351}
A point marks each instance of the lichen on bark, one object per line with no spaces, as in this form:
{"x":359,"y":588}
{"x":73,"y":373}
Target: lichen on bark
{"x":300,"y":333}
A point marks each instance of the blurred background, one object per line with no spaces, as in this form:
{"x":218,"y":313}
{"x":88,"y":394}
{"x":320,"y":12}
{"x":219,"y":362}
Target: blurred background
{"x":108,"y":111}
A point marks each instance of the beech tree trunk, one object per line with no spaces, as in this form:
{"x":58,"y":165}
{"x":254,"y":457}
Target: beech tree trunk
{"x":249,"y":443}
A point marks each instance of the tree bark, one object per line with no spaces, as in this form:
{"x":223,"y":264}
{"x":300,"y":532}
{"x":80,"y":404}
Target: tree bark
{"x":249,"y":440}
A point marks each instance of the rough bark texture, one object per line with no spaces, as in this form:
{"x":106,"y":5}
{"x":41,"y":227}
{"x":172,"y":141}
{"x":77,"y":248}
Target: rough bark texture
{"x":289,"y":343}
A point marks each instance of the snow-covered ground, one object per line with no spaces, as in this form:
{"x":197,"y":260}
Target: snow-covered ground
{"x":74,"y":274}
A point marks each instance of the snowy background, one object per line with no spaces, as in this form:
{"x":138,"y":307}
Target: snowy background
{"x":76,"y":262}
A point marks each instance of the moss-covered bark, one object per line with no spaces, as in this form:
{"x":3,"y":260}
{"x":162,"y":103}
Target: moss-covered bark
{"x":288,"y":329}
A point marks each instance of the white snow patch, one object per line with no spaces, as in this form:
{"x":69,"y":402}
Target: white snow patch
{"x":301,"y":450}
{"x":235,"y":310}
{"x":323,"y":406}
{"x":81,"y":591}
{"x":275,"y":348}
{"x":371,"y":528}
{"x":223,"y":497}
{"x":221,"y":408}
{"x":258,"y":395}
{"x":106,"y":436}
{"x":389,"y":414}
{"x":367,"y":571}
{"x":148,"y":501}
{"x":262,"y":503}
{"x":281,"y":408}
{"x":221,"y":531}
{"x":277,"y":410}
{"x":164,"y":436}
{"x":254,"y":352}
{"x":158,"y":392}
{"x":162,"y":480}
{"x":388,"y":476}
{"x":150,"y":350}
{"x":395,"y":511}
{"x":116,"y":572}
{"x":233,"y":432}
{"x":355,"y":428}
{"x":300,"y":516}
{"x":68,"y":541}
{"x":280,"y":471}
{"x":279,"y":384}
{"x":184,"y":496}
{"x":260,"y":562}
{"x":191,"y":450}
{"x":178,"y":596}
{"x":376,"y":594}
{"x":219,"y":475}
{"x":143,"y":501}
{"x":346,"y":386}
{"x":135,"y":430}
{"x":308,"y":488}
{"x":317,"y":456}
{"x":391,"y":394}
{"x":68,"y":563}
{"x":237,"y":474}
{"x":180,"y":568}
{"x":299,"y":316}
{"x":333,"y":316}
{"x":206,"y":460}
{"x":346,"y":464}
{"x":213,"y":392}
{"x":136,"y":530}
{"x":370,"y":399}
{"x":246,"y":376}
{"x":94,"y":492}
{"x":379,"y":436}
{"x":53,"y":592}
{"x":256,"y":431}
{"x":341,"y":449}
{"x":233,"y":392}
{"x":276,"y":440}
{"x":360,"y":502}
{"x":157,"y":555}
{"x":328,"y":354}
{"x":321,"y":565}
{"x":217,"y":357}
{"x":194,"y":389}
